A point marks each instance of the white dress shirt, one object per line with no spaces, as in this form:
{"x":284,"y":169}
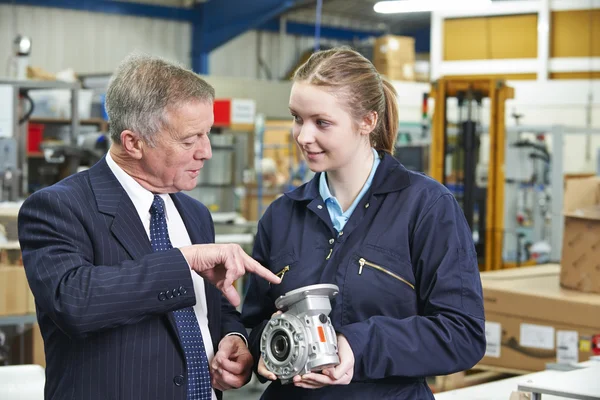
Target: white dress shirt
{"x":142,"y":200}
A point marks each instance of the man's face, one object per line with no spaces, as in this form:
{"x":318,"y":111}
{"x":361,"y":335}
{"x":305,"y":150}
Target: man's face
{"x":174,"y":163}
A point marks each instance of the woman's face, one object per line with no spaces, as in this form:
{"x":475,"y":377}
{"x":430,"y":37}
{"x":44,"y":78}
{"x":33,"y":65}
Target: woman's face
{"x":325,"y":132}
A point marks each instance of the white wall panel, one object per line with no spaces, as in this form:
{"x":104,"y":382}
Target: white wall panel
{"x":89,"y":42}
{"x":238,"y":57}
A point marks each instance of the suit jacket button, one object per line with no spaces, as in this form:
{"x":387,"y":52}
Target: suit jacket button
{"x":182,"y":290}
{"x":169,"y":294}
{"x":162,"y":296}
{"x":178,"y":380}
{"x":176,"y":292}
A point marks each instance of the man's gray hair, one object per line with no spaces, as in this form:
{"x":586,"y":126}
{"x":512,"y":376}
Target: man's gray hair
{"x":142,"y":90}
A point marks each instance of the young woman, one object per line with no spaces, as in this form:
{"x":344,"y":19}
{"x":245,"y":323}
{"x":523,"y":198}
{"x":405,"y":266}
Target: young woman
{"x":395,"y":242}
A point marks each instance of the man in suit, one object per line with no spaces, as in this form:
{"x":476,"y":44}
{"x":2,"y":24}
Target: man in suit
{"x":132,"y":295}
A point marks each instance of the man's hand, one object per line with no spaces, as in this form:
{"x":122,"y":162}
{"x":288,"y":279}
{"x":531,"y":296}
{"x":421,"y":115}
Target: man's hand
{"x":222,"y":264}
{"x":232,"y":365}
{"x":340,"y":375}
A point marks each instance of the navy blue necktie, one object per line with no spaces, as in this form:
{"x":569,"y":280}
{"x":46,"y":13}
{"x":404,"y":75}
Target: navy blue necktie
{"x":198,"y":374}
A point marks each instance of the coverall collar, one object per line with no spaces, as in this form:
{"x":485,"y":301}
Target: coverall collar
{"x":391,"y":176}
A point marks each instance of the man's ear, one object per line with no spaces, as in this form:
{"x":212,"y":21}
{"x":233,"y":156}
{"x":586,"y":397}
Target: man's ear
{"x":368,"y":123}
{"x":132,"y":144}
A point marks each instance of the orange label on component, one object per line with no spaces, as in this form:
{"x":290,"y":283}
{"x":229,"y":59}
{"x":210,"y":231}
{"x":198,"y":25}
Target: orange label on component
{"x":321,"y":334}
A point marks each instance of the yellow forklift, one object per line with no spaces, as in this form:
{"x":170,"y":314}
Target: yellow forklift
{"x":454,"y":158}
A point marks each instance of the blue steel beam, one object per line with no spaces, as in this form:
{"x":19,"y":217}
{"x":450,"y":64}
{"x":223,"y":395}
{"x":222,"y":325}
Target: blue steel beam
{"x":422,"y":36}
{"x":327,"y":32}
{"x":422,"y":39}
{"x":215,"y":22}
{"x":112,"y":7}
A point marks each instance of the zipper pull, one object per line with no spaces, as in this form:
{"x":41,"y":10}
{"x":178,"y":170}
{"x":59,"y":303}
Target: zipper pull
{"x":281,"y":273}
{"x":361,"y":264}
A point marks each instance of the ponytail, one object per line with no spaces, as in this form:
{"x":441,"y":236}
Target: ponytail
{"x":388,"y":131}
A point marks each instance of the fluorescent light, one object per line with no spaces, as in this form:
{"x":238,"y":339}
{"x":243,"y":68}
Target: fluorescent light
{"x":408,"y":6}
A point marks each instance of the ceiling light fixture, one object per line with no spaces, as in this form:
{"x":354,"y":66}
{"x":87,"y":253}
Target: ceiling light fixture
{"x":408,"y":6}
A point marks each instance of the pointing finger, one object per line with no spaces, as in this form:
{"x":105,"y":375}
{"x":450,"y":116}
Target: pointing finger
{"x":254,"y":267}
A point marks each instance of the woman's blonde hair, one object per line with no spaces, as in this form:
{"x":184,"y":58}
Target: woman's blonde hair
{"x":354,"y":80}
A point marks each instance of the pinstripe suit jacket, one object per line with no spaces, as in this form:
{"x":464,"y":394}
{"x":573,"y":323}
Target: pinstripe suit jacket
{"x":103,"y":298}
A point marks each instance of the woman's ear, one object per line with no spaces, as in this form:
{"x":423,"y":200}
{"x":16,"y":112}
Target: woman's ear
{"x":368,"y":123}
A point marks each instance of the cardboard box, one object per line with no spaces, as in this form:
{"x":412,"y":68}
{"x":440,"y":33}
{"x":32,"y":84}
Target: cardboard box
{"x":8,"y":222}
{"x":394,"y":48}
{"x":580,"y":258}
{"x":394,"y":56}
{"x":532,"y":321}
{"x":28,"y":347}
{"x":30,"y":301}
{"x":250,"y":202}
{"x":396,"y":71}
{"x":13,"y":291}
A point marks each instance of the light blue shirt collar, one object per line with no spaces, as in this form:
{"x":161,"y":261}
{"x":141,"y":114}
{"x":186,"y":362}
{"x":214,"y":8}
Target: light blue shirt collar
{"x":338,"y":217}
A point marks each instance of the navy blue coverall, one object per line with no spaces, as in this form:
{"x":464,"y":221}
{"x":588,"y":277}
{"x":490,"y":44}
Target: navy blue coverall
{"x":414,"y":309}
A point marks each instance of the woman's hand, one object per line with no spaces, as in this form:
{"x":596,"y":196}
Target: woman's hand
{"x":340,"y":375}
{"x":262,"y":368}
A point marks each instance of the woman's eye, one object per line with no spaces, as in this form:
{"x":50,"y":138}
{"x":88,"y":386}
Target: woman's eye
{"x":322,"y":123}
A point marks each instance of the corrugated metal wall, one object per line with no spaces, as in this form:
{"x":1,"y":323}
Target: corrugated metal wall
{"x":240,"y":56}
{"x":89,"y":42}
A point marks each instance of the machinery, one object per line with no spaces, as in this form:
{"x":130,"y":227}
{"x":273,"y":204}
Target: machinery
{"x":455,"y":157}
{"x":527,"y":197}
{"x":88,"y":150}
{"x":301,"y":339}
{"x":20,"y":58}
{"x":16,"y":108}
{"x":9,"y":172}
{"x":412,"y":144}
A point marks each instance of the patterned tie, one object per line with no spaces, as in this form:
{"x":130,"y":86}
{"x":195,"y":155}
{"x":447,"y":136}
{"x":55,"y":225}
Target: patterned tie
{"x":189,"y":331}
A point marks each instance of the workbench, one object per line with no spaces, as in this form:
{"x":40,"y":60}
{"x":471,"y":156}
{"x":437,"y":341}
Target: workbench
{"x":569,"y":384}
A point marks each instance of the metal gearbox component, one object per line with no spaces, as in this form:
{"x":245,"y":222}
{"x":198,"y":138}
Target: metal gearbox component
{"x":301,"y":339}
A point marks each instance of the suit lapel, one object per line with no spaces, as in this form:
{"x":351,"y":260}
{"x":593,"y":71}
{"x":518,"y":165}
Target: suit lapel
{"x":127,"y":228}
{"x":112,"y":200}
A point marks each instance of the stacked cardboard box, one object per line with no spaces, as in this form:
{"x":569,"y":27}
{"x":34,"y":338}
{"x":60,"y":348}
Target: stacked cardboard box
{"x":10,"y":253}
{"x":394,"y":57}
{"x":532,"y":321}
{"x":8,"y":221}
{"x":28,"y":347}
{"x":581,"y":236}
{"x":15,"y":296}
